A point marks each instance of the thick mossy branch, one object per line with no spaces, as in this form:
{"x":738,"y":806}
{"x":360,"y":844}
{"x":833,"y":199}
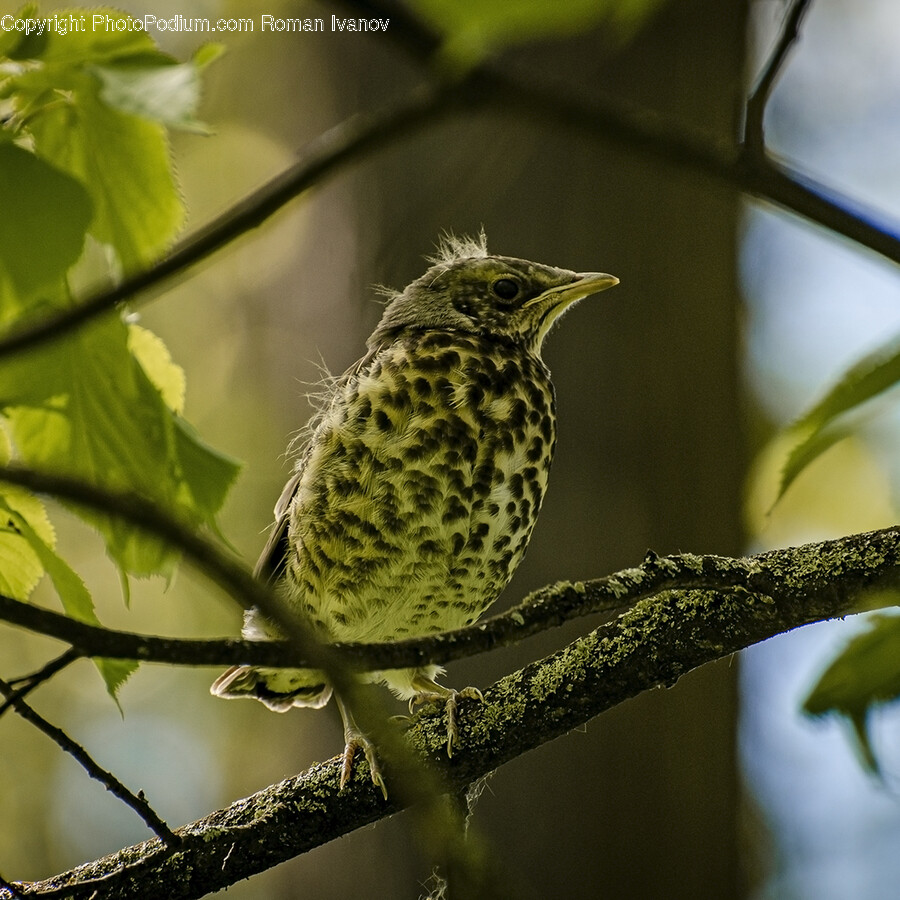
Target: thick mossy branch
{"x":652,"y":644}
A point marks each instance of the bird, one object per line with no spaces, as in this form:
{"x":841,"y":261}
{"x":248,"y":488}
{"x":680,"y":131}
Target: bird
{"x":415,"y":495}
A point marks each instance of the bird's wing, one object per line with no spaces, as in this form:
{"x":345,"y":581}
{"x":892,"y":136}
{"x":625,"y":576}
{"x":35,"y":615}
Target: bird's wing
{"x":270,"y":565}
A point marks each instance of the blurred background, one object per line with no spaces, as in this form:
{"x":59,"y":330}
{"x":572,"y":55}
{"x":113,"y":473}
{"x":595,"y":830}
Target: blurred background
{"x":730,"y":319}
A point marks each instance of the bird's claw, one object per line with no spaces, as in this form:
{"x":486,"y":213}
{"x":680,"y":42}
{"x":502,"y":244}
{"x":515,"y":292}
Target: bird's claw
{"x":358,"y":741}
{"x":450,"y":699}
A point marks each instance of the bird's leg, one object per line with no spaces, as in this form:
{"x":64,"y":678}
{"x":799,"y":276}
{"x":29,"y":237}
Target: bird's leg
{"x":355,"y":739}
{"x":429,"y":691}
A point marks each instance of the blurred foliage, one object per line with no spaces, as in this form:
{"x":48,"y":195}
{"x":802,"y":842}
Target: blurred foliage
{"x":473,"y":29}
{"x":863,"y":675}
{"x":867,"y":671}
{"x":827,"y":422}
{"x":85,"y":163}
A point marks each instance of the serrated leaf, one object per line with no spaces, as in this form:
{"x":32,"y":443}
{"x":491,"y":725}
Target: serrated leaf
{"x":73,"y":594}
{"x":24,"y":521}
{"x":122,"y":159}
{"x":865,"y":673}
{"x":475,"y":28}
{"x":155,"y":359}
{"x":94,"y":413}
{"x":115,"y":672}
{"x":76,"y":601}
{"x":102,"y":404}
{"x":44,"y":216}
{"x":208,"y":473}
{"x":20,"y":567}
{"x":820,"y":427}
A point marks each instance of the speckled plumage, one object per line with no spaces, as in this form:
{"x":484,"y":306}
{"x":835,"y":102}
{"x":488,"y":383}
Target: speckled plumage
{"x":417,"y":492}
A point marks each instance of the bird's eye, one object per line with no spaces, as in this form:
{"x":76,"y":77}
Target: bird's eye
{"x":505,"y":288}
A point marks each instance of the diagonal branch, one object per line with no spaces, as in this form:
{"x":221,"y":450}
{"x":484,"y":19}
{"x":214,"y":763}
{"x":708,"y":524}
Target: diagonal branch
{"x":662,"y":139}
{"x":546,"y":608}
{"x":653,"y":644}
{"x":137,"y":802}
{"x":754,"y":132}
{"x":542,"y":610}
{"x":347,"y":142}
{"x":24,"y":685}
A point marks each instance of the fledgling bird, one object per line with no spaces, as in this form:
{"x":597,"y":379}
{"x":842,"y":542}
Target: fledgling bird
{"x":415,"y":497}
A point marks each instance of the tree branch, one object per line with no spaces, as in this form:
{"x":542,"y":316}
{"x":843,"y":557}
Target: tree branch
{"x":742,"y":167}
{"x":540,"y":611}
{"x":25,"y":684}
{"x":754,"y":131}
{"x":345,"y":143}
{"x":652,"y":644}
{"x":137,"y":802}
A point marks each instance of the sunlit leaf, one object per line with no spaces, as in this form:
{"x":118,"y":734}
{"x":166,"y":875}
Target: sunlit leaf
{"x":75,"y":598}
{"x":168,"y":93}
{"x":864,"y":674}
{"x":821,"y":426}
{"x":85,"y":162}
{"x":20,"y":565}
{"x":473,"y":29}
{"x":155,"y":359}
{"x":121,"y":158}
{"x":95,"y":413}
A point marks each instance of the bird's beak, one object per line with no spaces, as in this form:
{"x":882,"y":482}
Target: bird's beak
{"x":584,"y":284}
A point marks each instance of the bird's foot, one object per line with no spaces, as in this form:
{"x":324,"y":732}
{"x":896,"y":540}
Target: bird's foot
{"x":436,"y":693}
{"x":358,"y":741}
{"x":355,"y":739}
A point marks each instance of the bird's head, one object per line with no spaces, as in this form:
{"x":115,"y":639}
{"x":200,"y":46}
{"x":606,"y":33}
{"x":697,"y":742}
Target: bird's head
{"x":497,"y":296}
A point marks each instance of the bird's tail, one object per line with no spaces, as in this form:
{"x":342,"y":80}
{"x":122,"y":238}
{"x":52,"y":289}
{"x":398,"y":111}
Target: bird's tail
{"x":278,"y":689}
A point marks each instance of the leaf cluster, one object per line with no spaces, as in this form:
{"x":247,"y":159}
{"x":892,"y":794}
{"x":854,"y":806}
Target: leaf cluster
{"x":88,"y":195}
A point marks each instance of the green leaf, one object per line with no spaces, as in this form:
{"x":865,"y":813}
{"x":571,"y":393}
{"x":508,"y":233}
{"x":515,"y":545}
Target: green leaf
{"x":115,"y":672}
{"x":27,"y":552}
{"x":97,"y":45}
{"x":20,"y":565}
{"x":10,"y":39}
{"x":85,"y":406}
{"x":820,"y":428}
{"x":208,"y":473}
{"x":155,"y":359}
{"x":44,"y":216}
{"x":124,"y":162}
{"x":166,"y":93}
{"x":864,"y":674}
{"x":473,"y":29}
{"x":104,"y":403}
{"x":76,"y":600}
{"x":121,"y":158}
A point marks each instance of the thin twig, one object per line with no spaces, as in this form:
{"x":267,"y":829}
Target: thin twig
{"x":25,"y":684}
{"x":754,"y":131}
{"x":137,"y":802}
{"x":544,"y":609}
{"x":540,"y":611}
